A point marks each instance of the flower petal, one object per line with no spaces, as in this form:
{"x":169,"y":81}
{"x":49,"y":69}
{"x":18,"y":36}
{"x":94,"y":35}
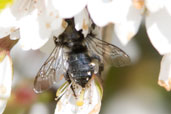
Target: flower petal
{"x":2,"y":105}
{"x":100,"y":13}
{"x":82,"y":21}
{"x":8,"y":23}
{"x":103,"y":12}
{"x":138,"y":4}
{"x":15,"y":35}
{"x":165,"y":72}
{"x":126,"y":29}
{"x":6,"y":73}
{"x":91,"y":101}
{"x":167,"y":6}
{"x":37,"y":28}
{"x":158,"y":29}
{"x":21,"y":8}
{"x":154,"y":5}
{"x":69,"y":8}
{"x":29,"y":31}
{"x":49,"y":21}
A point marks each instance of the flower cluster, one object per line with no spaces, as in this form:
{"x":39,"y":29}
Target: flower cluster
{"x":34,"y":22}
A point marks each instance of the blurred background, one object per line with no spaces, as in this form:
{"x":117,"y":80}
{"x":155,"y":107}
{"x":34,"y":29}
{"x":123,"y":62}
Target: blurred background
{"x":128,"y":90}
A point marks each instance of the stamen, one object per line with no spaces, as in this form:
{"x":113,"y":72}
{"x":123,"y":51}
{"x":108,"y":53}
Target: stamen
{"x":61,"y":77}
{"x":60,"y":92}
{"x":80,"y":101}
{"x":138,"y":4}
{"x":98,"y":86}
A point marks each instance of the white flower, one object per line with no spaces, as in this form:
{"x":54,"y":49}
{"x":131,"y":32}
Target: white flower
{"x":82,"y":21}
{"x":101,"y":11}
{"x":10,"y":15}
{"x":6,"y":70}
{"x":37,"y":28}
{"x":8,"y":23}
{"x":86,"y":101}
{"x":129,"y":23}
{"x":6,"y":73}
{"x":69,"y":8}
{"x":157,"y":16}
{"x":165,"y":72}
{"x":2,"y":105}
{"x":158,"y":26}
{"x":36,"y":21}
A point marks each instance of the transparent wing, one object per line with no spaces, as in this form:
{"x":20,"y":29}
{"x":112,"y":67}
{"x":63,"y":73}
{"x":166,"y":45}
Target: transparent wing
{"x":107,"y":52}
{"x":51,"y":70}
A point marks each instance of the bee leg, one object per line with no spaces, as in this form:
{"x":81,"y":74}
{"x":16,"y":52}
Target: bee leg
{"x":73,"y":91}
{"x":66,"y":76}
{"x":69,"y":81}
{"x":101,"y":68}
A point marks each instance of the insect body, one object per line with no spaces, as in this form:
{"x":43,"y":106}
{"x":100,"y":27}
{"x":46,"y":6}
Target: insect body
{"x":73,"y":56}
{"x":79,"y":69}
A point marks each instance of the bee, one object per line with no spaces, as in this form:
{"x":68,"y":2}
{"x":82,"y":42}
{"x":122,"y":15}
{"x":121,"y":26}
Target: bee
{"x":74,"y":57}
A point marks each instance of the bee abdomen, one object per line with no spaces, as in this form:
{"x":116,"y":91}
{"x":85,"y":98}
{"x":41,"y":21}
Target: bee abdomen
{"x":82,"y":77}
{"x":80,"y":69}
